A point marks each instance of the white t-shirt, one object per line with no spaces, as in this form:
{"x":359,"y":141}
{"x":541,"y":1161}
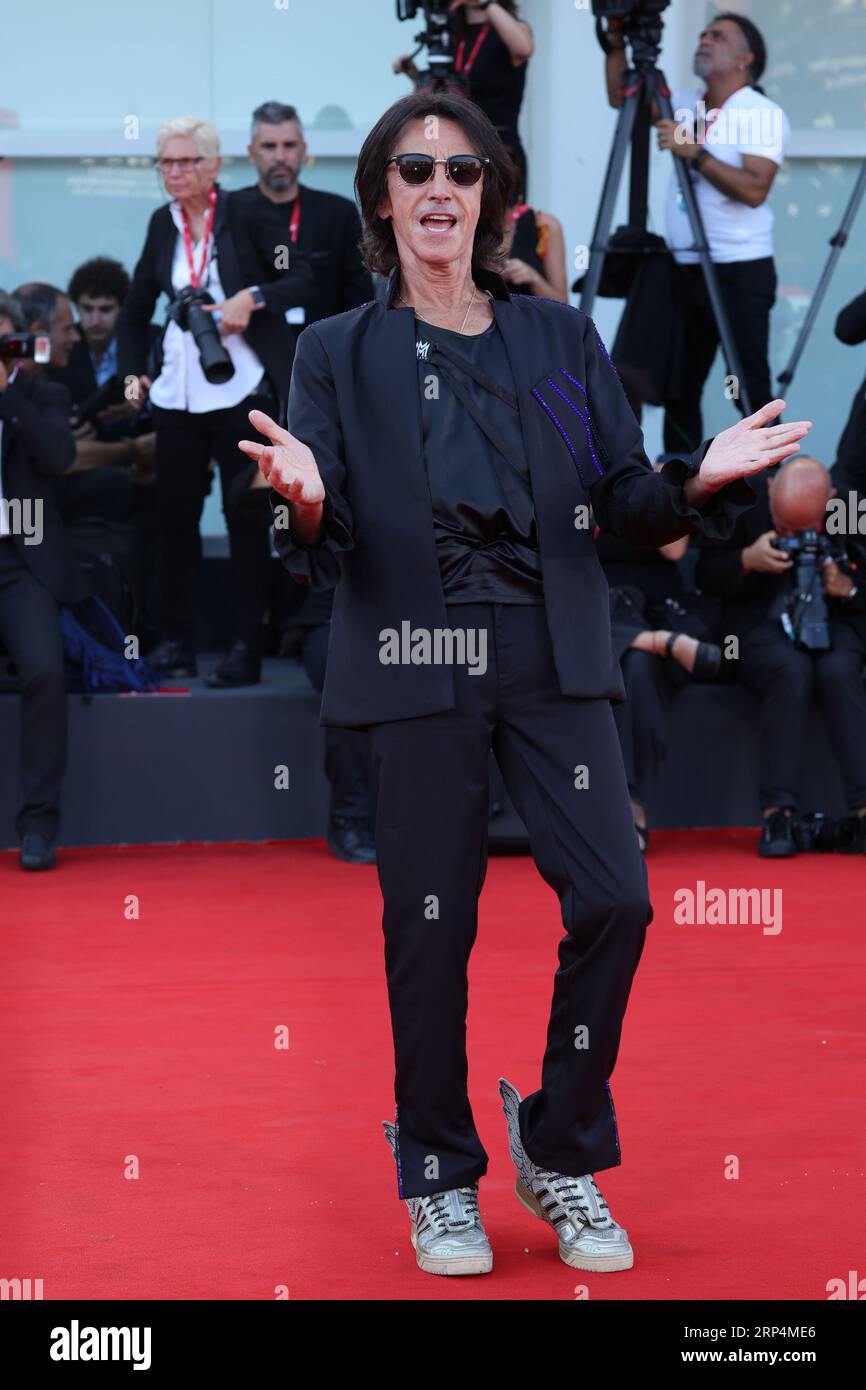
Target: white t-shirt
{"x":748,"y":123}
{"x":181,"y":384}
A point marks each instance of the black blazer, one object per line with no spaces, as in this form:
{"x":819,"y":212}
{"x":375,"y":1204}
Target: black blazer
{"x":328,"y":236}
{"x":37,"y":446}
{"x":246,"y":257}
{"x":354,"y":400}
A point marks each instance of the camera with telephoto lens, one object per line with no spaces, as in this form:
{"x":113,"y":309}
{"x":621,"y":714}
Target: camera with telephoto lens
{"x":643,"y":25}
{"x":26,"y":346}
{"x":188,"y":314}
{"x":802,"y":607}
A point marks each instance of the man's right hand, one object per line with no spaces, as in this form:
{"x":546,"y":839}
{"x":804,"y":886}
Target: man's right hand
{"x":287,"y":463}
{"x":762,"y":557}
{"x":4,"y":375}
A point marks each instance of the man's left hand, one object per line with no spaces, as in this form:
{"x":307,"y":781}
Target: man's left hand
{"x":836,"y":584}
{"x":748,"y":447}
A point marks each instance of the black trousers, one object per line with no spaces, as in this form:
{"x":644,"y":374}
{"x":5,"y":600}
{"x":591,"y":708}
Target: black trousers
{"x":748,"y":289}
{"x":431,"y":844}
{"x":185,"y":445}
{"x":31,"y":635}
{"x":651,"y":683}
{"x":348,"y":766}
{"x":786,"y":680}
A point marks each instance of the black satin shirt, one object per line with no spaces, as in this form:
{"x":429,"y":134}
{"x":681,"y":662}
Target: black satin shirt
{"x":483,"y":512}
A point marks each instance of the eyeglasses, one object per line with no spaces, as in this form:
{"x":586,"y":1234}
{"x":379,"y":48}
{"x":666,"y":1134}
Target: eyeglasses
{"x":165,"y":166}
{"x":417,"y":169}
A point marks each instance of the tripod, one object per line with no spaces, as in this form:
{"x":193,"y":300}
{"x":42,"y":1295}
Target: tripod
{"x":838,"y":243}
{"x":643,"y":83}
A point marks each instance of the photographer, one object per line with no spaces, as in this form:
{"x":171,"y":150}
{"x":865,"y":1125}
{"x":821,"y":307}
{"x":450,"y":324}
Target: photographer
{"x":110,"y":431}
{"x":761,"y":586}
{"x":199,"y":253}
{"x":37,"y":574}
{"x":493,"y":47}
{"x":731,"y":138}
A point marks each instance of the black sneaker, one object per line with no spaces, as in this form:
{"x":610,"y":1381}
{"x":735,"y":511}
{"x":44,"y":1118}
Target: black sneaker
{"x":777,"y":836}
{"x":240,"y":667}
{"x":351,"y":840}
{"x":37,"y":851}
{"x":851,"y":835}
{"x":174,"y":659}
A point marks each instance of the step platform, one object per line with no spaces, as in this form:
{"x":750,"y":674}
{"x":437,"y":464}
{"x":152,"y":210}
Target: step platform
{"x":193,"y":764}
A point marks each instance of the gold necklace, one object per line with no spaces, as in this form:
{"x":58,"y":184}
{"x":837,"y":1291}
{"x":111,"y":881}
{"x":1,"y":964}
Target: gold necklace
{"x":465,"y":317}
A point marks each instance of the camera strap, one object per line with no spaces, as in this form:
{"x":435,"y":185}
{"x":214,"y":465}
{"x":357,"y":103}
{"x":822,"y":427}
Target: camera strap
{"x":195,"y":276}
{"x":476,"y":49}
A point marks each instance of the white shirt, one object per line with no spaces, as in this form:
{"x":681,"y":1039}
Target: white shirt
{"x":181,"y":384}
{"x":5,"y":529}
{"x":748,"y":123}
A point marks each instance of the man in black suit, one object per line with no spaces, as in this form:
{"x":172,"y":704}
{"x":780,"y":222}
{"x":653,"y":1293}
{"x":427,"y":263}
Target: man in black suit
{"x":37,"y":574}
{"x":322,"y":226}
{"x":287,"y":215}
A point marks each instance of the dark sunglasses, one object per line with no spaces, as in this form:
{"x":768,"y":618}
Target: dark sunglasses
{"x":463,"y":169}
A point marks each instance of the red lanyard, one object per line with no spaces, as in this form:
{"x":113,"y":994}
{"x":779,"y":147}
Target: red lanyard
{"x":461,"y":49}
{"x":295,"y":224}
{"x":195,"y":275}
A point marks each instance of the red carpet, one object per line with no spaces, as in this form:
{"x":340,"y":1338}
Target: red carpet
{"x":153,"y":1040}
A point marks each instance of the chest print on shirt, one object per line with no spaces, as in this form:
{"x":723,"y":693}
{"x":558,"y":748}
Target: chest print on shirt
{"x":421,"y":351}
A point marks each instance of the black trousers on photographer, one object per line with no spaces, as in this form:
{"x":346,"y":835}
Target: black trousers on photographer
{"x":748,"y":290}
{"x":185,"y":445}
{"x":786,"y":679}
{"x":30,"y":632}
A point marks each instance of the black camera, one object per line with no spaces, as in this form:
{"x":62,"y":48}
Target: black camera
{"x":437,"y":38}
{"x":188,"y":314}
{"x":623,"y":9}
{"x":802,"y":608}
{"x":35,"y":346}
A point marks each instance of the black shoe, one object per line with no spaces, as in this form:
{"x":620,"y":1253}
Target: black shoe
{"x":851,"y":835}
{"x":777,"y":837}
{"x":708,"y":657}
{"x":351,"y":841}
{"x":240,"y":667}
{"x":37,"y":851}
{"x":173,"y":658}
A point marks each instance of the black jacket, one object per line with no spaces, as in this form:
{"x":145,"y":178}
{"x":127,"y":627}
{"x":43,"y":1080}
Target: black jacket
{"x":328,"y":237}
{"x":355,"y":401}
{"x":748,"y":598}
{"x":245,"y":252}
{"x":37,"y":446}
{"x":850,"y":467}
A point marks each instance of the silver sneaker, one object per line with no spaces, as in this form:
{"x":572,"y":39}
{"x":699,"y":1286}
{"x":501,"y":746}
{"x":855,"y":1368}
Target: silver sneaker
{"x":589,"y":1238}
{"x":447,"y":1233}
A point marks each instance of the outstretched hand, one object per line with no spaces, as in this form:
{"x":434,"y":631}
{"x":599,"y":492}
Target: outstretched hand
{"x":286,"y":463}
{"x":750,"y":446}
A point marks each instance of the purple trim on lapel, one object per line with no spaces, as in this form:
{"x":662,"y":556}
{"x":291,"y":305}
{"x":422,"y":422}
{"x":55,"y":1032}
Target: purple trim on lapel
{"x":563,"y":432}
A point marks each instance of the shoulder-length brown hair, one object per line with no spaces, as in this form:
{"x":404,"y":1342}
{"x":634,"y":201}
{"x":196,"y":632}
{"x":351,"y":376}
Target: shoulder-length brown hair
{"x":378,"y":246}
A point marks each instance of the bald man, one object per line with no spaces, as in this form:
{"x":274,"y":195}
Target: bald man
{"x":751,"y":576}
